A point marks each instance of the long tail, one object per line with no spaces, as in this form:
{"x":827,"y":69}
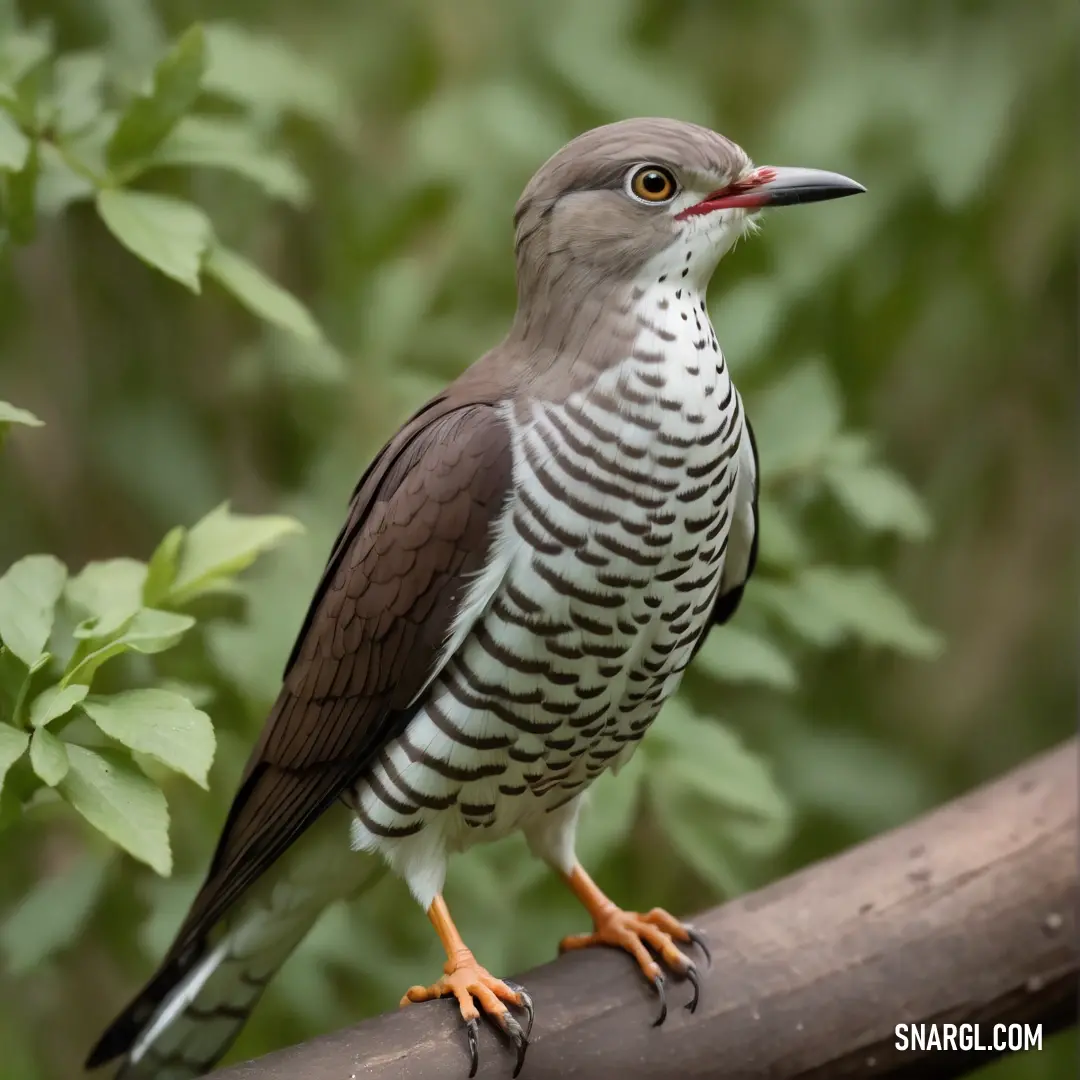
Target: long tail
{"x":186,"y":1017}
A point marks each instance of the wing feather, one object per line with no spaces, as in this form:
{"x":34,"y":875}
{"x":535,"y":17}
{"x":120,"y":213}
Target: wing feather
{"x":419,"y":529}
{"x":373,"y":635}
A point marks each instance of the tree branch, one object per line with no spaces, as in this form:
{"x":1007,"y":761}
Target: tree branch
{"x":967,"y":914}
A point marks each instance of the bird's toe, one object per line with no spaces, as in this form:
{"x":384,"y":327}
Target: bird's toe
{"x":478,"y":992}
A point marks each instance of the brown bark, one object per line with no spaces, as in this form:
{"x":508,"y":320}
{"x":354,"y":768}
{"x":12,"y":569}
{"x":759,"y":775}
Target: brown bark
{"x":967,"y":914}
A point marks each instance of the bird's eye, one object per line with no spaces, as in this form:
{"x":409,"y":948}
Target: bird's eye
{"x":652,"y":184}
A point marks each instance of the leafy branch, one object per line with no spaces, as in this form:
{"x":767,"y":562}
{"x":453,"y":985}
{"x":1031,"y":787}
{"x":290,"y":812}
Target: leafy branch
{"x":72,"y":131}
{"x":97,"y":752}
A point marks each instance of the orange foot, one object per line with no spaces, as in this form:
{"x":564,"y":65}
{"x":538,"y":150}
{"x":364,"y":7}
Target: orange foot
{"x":470,"y":983}
{"x":466,"y":980}
{"x":632,"y":932}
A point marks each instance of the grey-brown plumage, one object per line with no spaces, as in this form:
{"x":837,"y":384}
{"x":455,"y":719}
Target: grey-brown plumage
{"x":527,"y":569}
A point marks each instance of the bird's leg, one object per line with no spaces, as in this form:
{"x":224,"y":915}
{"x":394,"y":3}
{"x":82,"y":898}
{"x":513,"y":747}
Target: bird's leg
{"x":636,"y":934}
{"x":470,"y":983}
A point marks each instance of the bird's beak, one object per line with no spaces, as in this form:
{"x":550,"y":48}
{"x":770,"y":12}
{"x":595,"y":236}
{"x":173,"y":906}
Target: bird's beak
{"x":776,"y":185}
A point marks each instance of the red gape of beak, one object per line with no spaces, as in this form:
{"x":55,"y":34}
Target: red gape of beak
{"x":776,"y":185}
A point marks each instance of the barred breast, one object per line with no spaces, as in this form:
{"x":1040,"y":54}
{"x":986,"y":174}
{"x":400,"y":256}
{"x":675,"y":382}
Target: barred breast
{"x":604,"y":571}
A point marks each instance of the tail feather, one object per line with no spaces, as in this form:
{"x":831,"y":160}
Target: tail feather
{"x":196,"y":1024}
{"x":188,"y":1015}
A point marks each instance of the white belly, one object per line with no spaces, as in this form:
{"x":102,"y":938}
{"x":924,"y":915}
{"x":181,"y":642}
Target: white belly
{"x":604,"y":571}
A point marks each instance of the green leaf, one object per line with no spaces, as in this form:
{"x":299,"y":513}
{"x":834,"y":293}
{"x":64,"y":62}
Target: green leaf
{"x":169,"y":900}
{"x":217,"y":142}
{"x":28,"y":595}
{"x":148,"y":120}
{"x":10,"y":414}
{"x":265,"y":74}
{"x":109,"y":591}
{"x":120,"y":803}
{"x":78,"y":80}
{"x":501,"y":111}
{"x":13,"y":744}
{"x":149,"y":631}
{"x":717,"y":803}
{"x":707,"y":757}
{"x":221,"y":545}
{"x":48,"y":757}
{"x":581,"y":42}
{"x":14,"y":145}
{"x":862,"y":602}
{"x":251,"y":660}
{"x":781,"y":542}
{"x":751,"y":311}
{"x":289,"y":363}
{"x":21,"y":52}
{"x":84,"y":151}
{"x":692,"y":826}
{"x":199,"y":694}
{"x":610,"y":812}
{"x":398,"y":300}
{"x":868,"y":785}
{"x":52,"y":914}
{"x":58,"y":184}
{"x":136,"y":39}
{"x":161,"y":570}
{"x":791,"y":603}
{"x":16,"y":678}
{"x":963,"y":109}
{"x":796,"y":419}
{"x":20,"y":197}
{"x":164,"y":725}
{"x":169,"y":234}
{"x":879,"y":498}
{"x":259,"y":294}
{"x":54,"y":702}
{"x":732,"y":654}
{"x":850,"y":448}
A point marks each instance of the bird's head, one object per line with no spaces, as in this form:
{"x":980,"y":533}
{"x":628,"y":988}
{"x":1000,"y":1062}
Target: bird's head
{"x":648,"y":195}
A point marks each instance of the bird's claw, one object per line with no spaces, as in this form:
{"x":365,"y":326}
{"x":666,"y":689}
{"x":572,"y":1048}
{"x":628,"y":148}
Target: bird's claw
{"x":696,"y":937}
{"x":526,"y":1004}
{"x":637,"y":934}
{"x":473,"y":1028}
{"x":658,"y":984}
{"x":691,"y":974}
{"x":513,"y":1031}
{"x":478,"y":992}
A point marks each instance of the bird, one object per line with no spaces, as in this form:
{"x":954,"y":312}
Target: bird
{"x":527,"y":568}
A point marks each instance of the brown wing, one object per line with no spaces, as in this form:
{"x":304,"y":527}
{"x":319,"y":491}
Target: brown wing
{"x":419,"y":527}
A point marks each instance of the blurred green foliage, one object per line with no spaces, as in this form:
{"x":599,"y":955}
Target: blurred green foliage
{"x":367,"y":158}
{"x":58,"y":739}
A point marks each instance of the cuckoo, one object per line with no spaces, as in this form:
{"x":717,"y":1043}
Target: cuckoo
{"x":527,"y":568}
